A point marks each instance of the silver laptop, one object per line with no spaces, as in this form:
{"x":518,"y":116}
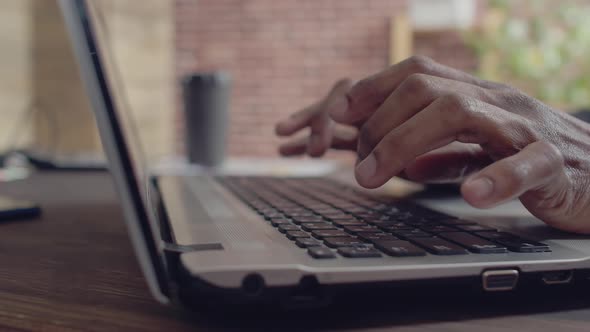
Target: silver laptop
{"x":288,"y":240}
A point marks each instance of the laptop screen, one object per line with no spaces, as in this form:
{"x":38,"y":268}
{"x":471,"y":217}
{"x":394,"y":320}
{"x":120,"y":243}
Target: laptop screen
{"x":118,"y":92}
{"x":89,"y":35}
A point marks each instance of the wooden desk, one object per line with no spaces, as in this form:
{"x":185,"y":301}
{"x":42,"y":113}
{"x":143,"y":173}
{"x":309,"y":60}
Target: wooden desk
{"x":74,"y":269}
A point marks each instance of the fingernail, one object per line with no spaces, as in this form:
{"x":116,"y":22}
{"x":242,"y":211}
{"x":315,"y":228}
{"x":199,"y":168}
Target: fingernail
{"x":480,"y":188}
{"x":367,"y":168}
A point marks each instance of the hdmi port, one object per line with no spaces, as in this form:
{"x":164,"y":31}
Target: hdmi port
{"x":557,"y":277}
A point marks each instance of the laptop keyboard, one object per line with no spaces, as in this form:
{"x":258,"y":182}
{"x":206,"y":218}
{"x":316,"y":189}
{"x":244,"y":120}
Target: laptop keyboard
{"x":328,"y":218}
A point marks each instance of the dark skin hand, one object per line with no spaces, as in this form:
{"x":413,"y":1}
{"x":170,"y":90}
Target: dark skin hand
{"x":430,"y":123}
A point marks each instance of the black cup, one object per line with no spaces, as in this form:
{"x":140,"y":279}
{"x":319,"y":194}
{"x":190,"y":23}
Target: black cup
{"x":206,"y":102}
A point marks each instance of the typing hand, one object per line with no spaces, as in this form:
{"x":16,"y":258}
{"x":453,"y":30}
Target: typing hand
{"x":324,"y":133}
{"x":429,"y":122}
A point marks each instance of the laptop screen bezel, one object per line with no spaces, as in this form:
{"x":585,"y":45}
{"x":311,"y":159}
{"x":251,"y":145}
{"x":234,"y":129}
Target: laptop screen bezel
{"x":80,"y":25}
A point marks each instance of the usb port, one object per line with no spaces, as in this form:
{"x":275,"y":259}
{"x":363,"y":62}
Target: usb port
{"x":557,"y":277}
{"x":499,"y":280}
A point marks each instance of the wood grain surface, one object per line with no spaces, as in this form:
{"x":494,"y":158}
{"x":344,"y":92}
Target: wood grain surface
{"x":74,"y":269}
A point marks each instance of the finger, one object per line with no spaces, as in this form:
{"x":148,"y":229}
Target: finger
{"x":410,"y":97}
{"x":535,"y":167}
{"x":449,"y":164}
{"x":320,"y":138}
{"x":303,"y":118}
{"x":447,"y":119}
{"x":336,"y":101}
{"x":345,"y":138}
{"x":297,"y":121}
{"x":366,"y":95}
{"x":295,"y":147}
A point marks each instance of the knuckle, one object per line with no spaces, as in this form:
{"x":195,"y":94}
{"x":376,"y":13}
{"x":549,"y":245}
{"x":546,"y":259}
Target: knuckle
{"x":416,"y":83}
{"x":551,"y":152}
{"x":456,"y":107}
{"x":419,"y":63}
{"x":341,"y":87}
{"x":513,"y":175}
{"x":364,"y":89}
{"x":522,"y":131}
{"x":517,"y":174}
{"x":454,"y":101}
{"x":342,"y":84}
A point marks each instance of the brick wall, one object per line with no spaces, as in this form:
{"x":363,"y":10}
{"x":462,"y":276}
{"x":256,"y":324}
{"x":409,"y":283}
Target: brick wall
{"x":283,"y":55}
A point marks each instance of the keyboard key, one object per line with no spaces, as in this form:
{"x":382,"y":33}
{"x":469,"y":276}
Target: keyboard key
{"x":300,"y":214}
{"x":292,"y":235}
{"x":269,"y":216}
{"x":394,"y":211}
{"x":336,"y":216}
{"x":317,"y":226}
{"x":327,"y":211}
{"x":417,"y":221}
{"x":359,"y":251}
{"x":522,"y":245}
{"x":361,"y":229}
{"x":370,"y":237}
{"x":320,"y":234}
{"x":439,"y":246}
{"x":317,"y":207}
{"x":474,"y":243}
{"x":335,"y":242}
{"x":293,"y":210}
{"x":284,"y":228}
{"x":302,"y":220}
{"x":307,"y":242}
{"x":370,"y":215}
{"x":399,"y":248}
{"x":354,"y":209}
{"x":514,"y":243}
{"x":413,"y":233}
{"x":348,"y":222}
{"x":437,"y":229}
{"x":382,"y":207}
{"x":476,"y":228}
{"x":279,"y":221}
{"x":321,"y":252}
{"x":494,"y":235}
{"x":396,"y":227}
{"x":382,"y":217}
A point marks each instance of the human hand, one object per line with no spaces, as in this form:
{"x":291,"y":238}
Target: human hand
{"x":429,"y":122}
{"x":324,"y":133}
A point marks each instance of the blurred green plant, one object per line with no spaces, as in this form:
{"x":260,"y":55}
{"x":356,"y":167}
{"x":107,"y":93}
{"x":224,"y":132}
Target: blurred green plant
{"x":542,"y":47}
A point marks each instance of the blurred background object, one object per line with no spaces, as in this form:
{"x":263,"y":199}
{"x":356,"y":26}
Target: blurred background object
{"x":284,"y":55}
{"x":206,"y":99}
{"x":42,"y":101}
{"x":281,"y":55}
{"x":541,"y":47}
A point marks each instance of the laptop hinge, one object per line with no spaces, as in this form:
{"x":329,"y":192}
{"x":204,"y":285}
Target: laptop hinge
{"x":159,"y":211}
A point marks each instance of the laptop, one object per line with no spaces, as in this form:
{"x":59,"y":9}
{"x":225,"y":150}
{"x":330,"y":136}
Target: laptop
{"x":246,"y":239}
